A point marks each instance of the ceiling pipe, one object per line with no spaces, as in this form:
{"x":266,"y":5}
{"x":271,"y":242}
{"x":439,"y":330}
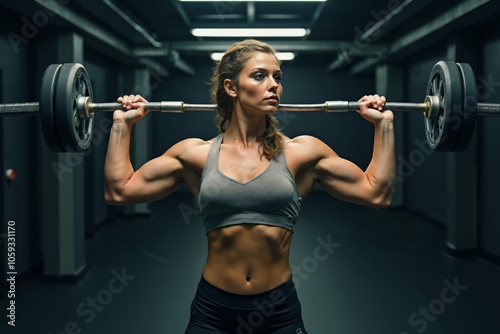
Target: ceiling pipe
{"x":280,"y":45}
{"x":173,"y":57}
{"x":143,"y":31}
{"x":86,"y":25}
{"x":458,"y":16}
{"x":118,"y":48}
{"x":175,"y":60}
{"x":344,"y":57}
{"x":380,"y":24}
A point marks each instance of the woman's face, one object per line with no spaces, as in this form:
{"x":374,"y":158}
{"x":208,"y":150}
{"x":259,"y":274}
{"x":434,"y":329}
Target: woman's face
{"x":259,"y":84}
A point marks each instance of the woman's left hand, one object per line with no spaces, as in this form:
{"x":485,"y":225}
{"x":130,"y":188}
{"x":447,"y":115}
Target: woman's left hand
{"x":372,"y":109}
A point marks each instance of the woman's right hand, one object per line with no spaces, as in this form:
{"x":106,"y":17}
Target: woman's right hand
{"x":133,"y":109}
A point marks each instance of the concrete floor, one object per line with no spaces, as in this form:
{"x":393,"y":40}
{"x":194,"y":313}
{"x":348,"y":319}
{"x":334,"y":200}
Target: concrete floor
{"x":387,"y":272}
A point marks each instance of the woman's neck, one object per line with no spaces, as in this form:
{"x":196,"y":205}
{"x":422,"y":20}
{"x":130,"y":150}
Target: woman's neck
{"x":245,"y":130}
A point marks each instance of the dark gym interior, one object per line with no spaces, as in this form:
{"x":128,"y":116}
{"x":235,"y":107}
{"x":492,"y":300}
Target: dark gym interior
{"x":70,"y":263}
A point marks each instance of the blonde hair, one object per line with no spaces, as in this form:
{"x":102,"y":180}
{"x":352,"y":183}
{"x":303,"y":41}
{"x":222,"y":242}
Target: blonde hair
{"x":229,"y":67}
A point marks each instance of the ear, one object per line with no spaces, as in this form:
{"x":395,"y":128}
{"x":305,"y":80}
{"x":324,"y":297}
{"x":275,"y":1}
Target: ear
{"x":230,"y":88}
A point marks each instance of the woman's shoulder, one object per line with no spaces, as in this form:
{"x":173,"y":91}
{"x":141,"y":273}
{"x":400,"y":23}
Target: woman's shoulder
{"x":194,"y":144}
{"x":304,"y":141}
{"x":191,"y":150}
{"x":307,"y":147}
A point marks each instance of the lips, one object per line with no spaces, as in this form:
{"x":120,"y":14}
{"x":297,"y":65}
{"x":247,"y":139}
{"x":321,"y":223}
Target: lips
{"x":273,"y":98}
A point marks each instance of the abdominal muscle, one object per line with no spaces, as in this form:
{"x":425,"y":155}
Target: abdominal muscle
{"x":248,"y":258}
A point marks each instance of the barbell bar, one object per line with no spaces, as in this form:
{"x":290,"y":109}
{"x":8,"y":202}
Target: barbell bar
{"x":180,"y":107}
{"x":86,"y":107}
{"x":66,"y":107}
{"x":20,"y":109}
{"x":483,"y":109}
{"x":33,"y":108}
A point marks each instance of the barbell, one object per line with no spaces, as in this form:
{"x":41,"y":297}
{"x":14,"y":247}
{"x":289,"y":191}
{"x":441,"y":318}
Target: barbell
{"x":66,"y":107}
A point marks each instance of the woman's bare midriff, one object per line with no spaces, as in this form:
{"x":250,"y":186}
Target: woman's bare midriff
{"x":248,"y":258}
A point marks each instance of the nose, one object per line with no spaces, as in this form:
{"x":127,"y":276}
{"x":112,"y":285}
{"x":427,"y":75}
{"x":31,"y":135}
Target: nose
{"x":274,"y":85}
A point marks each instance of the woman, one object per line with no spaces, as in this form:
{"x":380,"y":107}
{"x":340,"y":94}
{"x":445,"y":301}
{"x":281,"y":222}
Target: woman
{"x":250,"y":182}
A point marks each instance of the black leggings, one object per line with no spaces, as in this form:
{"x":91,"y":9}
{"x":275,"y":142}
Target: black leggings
{"x":276,"y":311}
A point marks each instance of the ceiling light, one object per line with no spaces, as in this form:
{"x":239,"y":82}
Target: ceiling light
{"x":253,"y":1}
{"x":283,"y":56}
{"x":254,"y":32}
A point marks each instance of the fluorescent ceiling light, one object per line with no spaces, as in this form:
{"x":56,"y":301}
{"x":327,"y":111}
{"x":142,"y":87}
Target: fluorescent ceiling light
{"x":283,"y":56}
{"x":244,"y":32}
{"x":253,"y":1}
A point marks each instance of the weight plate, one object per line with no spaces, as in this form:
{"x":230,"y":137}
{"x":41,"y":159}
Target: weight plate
{"x":74,"y":130}
{"x":443,"y":129}
{"x":470,"y":106}
{"x":49,"y":128}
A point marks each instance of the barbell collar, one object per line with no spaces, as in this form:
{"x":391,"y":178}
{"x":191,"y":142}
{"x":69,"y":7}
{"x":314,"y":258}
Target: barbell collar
{"x":20,"y":109}
{"x":338,"y":106}
{"x":432,"y":104}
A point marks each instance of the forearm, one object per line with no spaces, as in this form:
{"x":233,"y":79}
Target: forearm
{"x":382,"y":168}
{"x":118,"y":168}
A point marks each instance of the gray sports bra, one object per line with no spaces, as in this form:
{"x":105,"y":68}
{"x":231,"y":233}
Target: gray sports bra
{"x":271,"y":198}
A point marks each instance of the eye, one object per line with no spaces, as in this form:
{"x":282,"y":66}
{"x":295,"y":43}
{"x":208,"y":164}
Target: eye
{"x":277,"y":78}
{"x":258,"y":76}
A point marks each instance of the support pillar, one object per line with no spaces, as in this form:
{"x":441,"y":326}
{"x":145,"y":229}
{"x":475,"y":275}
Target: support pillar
{"x":461,"y":168}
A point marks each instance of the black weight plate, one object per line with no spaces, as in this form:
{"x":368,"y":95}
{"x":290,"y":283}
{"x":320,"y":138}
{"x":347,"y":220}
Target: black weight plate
{"x":75,"y":131}
{"x":443,"y":130}
{"x":470,"y":106}
{"x":49,"y":128}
